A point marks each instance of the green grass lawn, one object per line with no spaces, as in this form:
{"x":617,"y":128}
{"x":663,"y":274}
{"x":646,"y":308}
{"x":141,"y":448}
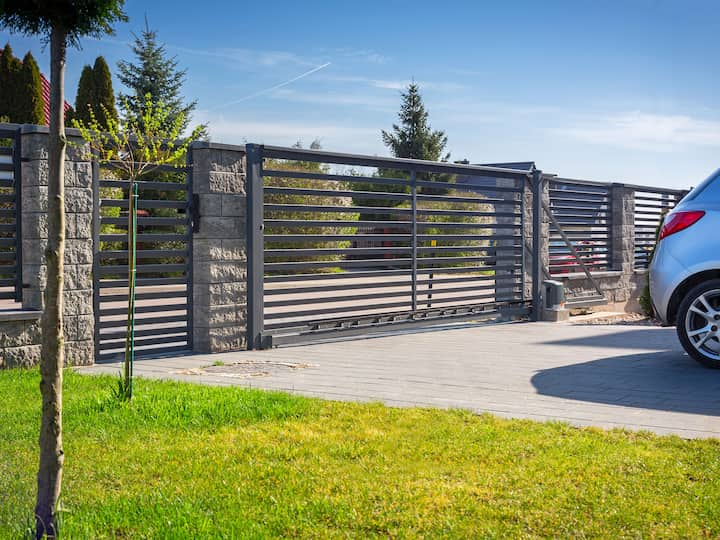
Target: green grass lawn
{"x":187,"y":461}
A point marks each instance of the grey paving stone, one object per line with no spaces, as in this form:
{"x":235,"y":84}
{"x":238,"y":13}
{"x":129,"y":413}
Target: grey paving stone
{"x":633,"y":377}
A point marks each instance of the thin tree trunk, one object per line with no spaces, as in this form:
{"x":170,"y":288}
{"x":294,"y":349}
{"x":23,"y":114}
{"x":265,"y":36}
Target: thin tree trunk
{"x":52,"y":361}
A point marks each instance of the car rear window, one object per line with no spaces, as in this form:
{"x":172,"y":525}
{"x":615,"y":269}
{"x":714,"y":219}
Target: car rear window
{"x":709,"y":190}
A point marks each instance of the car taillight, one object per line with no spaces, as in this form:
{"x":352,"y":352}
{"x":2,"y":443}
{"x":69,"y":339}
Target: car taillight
{"x":680,"y":221}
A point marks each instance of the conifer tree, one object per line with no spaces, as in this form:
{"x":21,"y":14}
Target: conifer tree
{"x":85,"y":99}
{"x":10,"y":68}
{"x":156,"y":74}
{"x":104,"y":98}
{"x":95,"y":94}
{"x":31,"y":105}
{"x":414,"y":138}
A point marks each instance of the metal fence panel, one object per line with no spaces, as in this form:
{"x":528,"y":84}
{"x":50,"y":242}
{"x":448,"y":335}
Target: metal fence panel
{"x":343,"y":244}
{"x":10,"y":225}
{"x":651,"y":205}
{"x":163,"y":321}
{"x":582,"y":209}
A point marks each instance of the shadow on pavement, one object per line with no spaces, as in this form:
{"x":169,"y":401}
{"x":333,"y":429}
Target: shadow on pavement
{"x":628,"y":337}
{"x":666,"y":379}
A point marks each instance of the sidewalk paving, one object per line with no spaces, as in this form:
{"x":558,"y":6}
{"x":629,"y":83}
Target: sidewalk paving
{"x":630,"y":376}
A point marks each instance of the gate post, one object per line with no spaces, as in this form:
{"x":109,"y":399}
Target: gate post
{"x":256,"y":256}
{"x":78,"y":318}
{"x":622,"y":239}
{"x":219,"y":250}
{"x":540,"y":239}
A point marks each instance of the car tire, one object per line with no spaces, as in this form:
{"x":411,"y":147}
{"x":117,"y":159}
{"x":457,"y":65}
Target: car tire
{"x":701,"y":344}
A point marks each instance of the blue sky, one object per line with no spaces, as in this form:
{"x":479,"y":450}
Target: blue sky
{"x":605,"y":90}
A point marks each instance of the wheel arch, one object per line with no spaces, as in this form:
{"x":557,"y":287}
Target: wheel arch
{"x":688,"y":284}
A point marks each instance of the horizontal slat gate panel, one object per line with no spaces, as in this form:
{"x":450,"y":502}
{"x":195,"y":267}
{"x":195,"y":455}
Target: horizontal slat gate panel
{"x":10,"y":246}
{"x":582,"y":210}
{"x":164,"y":290}
{"x":419,"y":241}
{"x":651,"y":205}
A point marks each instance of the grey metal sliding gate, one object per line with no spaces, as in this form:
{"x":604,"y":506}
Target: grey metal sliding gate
{"x":10,"y":245}
{"x":342,"y":244}
{"x":164,"y":242}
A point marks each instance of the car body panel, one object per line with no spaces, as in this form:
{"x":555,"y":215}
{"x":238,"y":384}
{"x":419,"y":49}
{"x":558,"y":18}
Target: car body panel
{"x":685,"y":254}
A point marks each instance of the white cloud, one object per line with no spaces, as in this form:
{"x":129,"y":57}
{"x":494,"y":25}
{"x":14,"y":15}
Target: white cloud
{"x":485,"y":112}
{"x":363,"y":55}
{"x":332,"y":136}
{"x":247,"y":57}
{"x":643,"y":131}
{"x":384,"y":103}
{"x":399,"y":84}
{"x":272,"y":88}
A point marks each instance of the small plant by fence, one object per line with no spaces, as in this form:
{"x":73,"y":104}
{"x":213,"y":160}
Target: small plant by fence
{"x":163,"y":268}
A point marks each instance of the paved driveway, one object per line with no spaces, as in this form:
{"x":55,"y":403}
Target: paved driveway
{"x":603,"y":375}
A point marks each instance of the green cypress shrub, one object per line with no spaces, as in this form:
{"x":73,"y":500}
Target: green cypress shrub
{"x":31,"y":105}
{"x":85,"y":98}
{"x":103,"y":103}
{"x":10,"y":68}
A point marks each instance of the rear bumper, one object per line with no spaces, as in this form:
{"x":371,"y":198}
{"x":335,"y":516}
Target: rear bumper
{"x":666,"y":273}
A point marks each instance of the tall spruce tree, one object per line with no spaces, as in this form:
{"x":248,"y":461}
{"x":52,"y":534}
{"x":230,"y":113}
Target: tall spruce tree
{"x":156,"y":74}
{"x":31,"y":104}
{"x":10,"y":68}
{"x":414,"y":138}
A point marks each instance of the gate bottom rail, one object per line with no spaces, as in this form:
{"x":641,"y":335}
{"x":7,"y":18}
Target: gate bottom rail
{"x":365,"y":324}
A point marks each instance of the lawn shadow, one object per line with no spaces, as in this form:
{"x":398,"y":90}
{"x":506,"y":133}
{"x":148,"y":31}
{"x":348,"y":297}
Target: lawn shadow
{"x":665,"y":379}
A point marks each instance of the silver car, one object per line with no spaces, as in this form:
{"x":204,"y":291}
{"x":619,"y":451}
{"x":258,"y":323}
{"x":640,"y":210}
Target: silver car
{"x":685,"y":272}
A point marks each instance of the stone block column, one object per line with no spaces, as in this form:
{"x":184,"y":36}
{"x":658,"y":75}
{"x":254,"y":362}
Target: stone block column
{"x":78,"y":307}
{"x":219,"y":248}
{"x":622,"y":238}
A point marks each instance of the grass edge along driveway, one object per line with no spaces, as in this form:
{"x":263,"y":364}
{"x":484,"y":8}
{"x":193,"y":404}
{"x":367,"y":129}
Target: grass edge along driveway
{"x":188,"y":461}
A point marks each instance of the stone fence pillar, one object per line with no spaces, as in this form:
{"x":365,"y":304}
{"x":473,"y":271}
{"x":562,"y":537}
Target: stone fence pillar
{"x":219,"y":248}
{"x":78,"y":315}
{"x":622,"y":240}
{"x":622,"y":223}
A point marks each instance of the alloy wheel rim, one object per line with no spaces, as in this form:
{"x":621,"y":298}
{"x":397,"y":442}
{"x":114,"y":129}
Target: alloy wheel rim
{"x":702,"y":324}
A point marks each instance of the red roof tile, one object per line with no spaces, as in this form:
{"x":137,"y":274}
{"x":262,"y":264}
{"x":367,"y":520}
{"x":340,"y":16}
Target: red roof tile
{"x":46,"y":99}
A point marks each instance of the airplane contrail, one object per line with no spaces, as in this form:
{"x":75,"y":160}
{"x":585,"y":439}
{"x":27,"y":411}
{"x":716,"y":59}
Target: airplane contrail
{"x":266,"y":90}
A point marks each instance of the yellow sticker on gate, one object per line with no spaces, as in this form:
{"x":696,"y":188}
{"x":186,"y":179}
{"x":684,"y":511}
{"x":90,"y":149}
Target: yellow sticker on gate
{"x":433,"y":243}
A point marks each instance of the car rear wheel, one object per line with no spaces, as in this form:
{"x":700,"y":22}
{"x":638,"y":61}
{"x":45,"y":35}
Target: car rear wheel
{"x":698,"y":323}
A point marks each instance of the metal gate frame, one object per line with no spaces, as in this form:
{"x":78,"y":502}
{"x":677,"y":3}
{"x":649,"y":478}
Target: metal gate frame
{"x":259,"y":337}
{"x":11,"y":288}
{"x":151,"y":341}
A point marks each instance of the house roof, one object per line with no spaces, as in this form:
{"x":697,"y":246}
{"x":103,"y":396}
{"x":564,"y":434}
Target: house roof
{"x":46,"y":99}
